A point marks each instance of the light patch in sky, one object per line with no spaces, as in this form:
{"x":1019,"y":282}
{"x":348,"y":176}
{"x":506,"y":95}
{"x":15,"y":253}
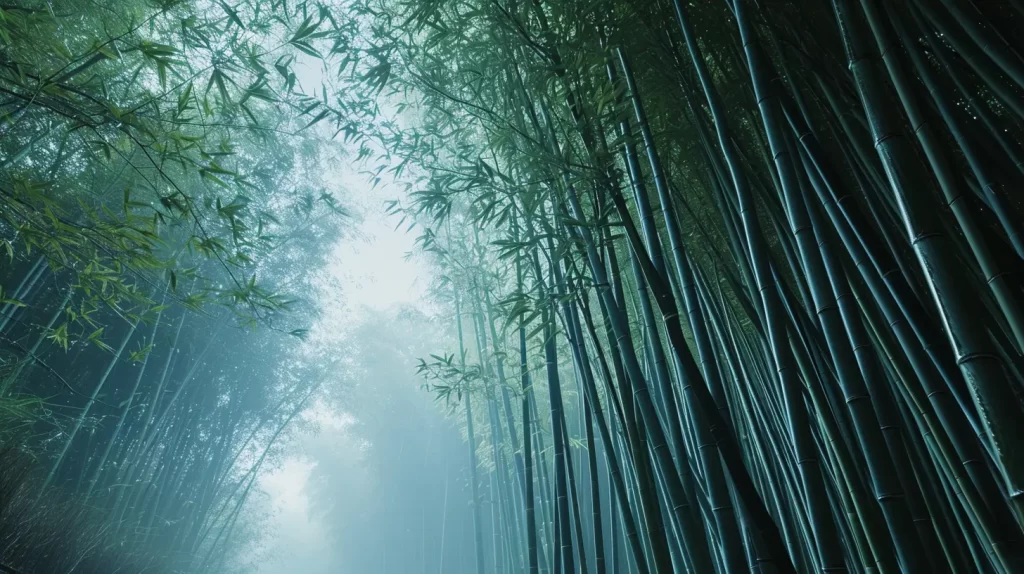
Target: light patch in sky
{"x":325,"y":417}
{"x":367,"y":269}
{"x":301,"y":539}
{"x":375,"y":271}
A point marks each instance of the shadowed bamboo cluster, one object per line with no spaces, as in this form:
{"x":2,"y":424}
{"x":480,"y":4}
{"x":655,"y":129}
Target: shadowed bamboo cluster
{"x":753,"y":270}
{"x":40,"y":531}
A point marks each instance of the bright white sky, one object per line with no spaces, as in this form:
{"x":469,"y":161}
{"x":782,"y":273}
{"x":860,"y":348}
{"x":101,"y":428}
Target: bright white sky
{"x":371,"y":267}
{"x":374,"y":273}
{"x":299,"y":543}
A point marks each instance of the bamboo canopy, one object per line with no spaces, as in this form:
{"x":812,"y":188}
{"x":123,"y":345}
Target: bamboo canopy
{"x":734,"y":285}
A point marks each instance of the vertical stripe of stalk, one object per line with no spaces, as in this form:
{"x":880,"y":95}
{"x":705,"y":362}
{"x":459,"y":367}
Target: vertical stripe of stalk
{"x":887,"y":490}
{"x":823,"y":526}
{"x":998,"y":406}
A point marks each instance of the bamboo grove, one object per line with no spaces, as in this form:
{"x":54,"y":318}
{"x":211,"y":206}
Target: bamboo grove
{"x":737,"y":284}
{"x":734,"y":285}
{"x":161,"y":205}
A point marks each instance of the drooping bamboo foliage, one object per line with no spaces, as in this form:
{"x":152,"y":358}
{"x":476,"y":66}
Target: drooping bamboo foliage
{"x":156,"y":191}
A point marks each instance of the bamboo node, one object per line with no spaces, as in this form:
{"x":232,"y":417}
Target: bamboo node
{"x":882,"y":139}
{"x":994,"y":277}
{"x":966,"y":357}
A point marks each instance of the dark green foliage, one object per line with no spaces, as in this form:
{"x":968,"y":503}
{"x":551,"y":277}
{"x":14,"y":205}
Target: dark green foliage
{"x":163,"y":205}
{"x":40,"y":531}
{"x":760,"y":262}
{"x":804,"y":280}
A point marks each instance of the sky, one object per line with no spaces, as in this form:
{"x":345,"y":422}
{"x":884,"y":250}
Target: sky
{"x":375,"y":270}
{"x":371,"y":265}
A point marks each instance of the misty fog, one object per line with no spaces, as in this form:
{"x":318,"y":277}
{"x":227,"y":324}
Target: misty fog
{"x":511,"y":286}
